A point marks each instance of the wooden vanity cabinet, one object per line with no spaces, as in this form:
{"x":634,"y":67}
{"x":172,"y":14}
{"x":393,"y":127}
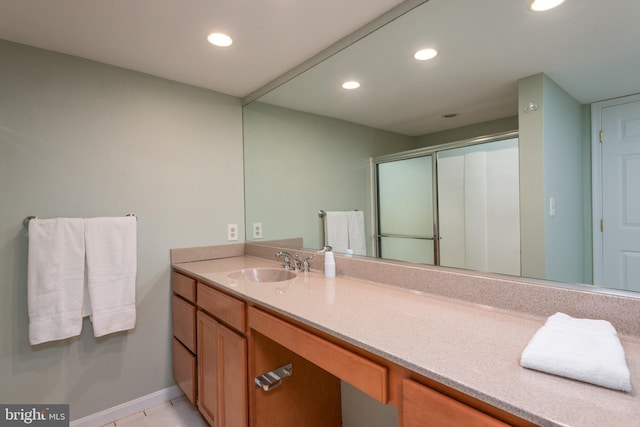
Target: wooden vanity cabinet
{"x":419,"y":404}
{"x":423,"y":406}
{"x":221,"y":342}
{"x":369,"y":377}
{"x":183,"y":314}
{"x":222,"y":358}
{"x":310,"y":397}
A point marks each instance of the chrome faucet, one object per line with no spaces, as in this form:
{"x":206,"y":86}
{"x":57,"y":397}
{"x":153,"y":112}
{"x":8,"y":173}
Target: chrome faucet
{"x":289,"y":262}
{"x":306,"y":266}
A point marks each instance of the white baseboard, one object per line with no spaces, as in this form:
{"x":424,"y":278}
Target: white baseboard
{"x":128,"y":408}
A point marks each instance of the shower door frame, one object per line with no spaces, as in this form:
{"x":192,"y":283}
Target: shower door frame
{"x":432,"y":151}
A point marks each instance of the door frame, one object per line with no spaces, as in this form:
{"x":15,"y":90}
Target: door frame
{"x":596,"y":181}
{"x":404,"y":155}
{"x":419,"y":152}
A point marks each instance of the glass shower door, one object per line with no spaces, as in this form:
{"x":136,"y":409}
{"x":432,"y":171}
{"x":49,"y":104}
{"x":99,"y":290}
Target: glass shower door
{"x":405,"y":210}
{"x":479,"y":207}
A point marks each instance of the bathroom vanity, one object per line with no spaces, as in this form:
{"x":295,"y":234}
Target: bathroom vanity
{"x":440,"y":361}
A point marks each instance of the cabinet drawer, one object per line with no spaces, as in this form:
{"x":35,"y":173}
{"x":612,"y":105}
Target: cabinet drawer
{"x":184,"y":370}
{"x":362,"y":373}
{"x":222,"y":306}
{"x":184,"y":322}
{"x":183,"y":286}
{"x":422,"y":406}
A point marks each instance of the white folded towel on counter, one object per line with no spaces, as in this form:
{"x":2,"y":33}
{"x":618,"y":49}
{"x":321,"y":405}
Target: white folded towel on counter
{"x":582,"y":349}
{"x":55,"y":278}
{"x":111,"y":253}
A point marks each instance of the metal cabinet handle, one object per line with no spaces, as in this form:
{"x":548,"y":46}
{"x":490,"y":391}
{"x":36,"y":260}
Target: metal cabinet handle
{"x":273,"y":379}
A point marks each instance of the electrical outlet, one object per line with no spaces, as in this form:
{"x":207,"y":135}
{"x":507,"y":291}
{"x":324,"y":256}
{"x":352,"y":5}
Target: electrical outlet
{"x":232,"y":231}
{"x":257,"y":230}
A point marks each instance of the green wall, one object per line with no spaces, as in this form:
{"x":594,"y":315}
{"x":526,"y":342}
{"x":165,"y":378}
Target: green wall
{"x":298,"y":163}
{"x":83,"y":139}
{"x":554,"y":159}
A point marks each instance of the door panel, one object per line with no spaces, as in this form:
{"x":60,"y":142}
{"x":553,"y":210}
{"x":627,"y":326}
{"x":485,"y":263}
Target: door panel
{"x":621,"y":196}
{"x":405,"y":209}
{"x":479,"y":207}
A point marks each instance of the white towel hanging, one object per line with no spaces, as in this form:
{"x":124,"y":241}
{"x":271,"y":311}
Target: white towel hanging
{"x":337,"y":224}
{"x":357,"y":241}
{"x":55,"y":278}
{"x":111,"y":273}
{"x":56,"y":287}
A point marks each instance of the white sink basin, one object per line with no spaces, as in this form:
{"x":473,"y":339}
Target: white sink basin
{"x":262,"y":275}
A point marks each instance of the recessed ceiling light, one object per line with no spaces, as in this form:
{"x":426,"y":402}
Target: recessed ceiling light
{"x":542,"y":5}
{"x":424,"y":54}
{"x":219,"y":39}
{"x":350,"y":85}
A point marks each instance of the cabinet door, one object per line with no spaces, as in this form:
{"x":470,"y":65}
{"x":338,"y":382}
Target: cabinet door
{"x":222,"y":374}
{"x":422,"y":406}
{"x":232,"y":378}
{"x":207,"y":368}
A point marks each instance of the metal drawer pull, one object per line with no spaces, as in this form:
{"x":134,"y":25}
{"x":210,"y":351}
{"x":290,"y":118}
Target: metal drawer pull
{"x":273,"y":379}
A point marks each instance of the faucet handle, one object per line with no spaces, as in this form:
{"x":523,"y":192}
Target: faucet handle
{"x":306,"y":265}
{"x":286,"y":262}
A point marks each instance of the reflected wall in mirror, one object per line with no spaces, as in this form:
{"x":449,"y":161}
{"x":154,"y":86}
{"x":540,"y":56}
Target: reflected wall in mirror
{"x":500,"y":67}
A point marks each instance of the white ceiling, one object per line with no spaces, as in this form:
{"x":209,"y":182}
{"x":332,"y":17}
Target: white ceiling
{"x":167,"y":38}
{"x":589,"y":47}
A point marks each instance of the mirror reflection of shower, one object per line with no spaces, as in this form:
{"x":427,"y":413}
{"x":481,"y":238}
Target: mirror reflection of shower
{"x":456,"y":206}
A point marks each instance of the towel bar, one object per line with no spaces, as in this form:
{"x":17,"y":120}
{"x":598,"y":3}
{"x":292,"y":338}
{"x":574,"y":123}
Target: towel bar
{"x":25,"y":222}
{"x":323,"y":215}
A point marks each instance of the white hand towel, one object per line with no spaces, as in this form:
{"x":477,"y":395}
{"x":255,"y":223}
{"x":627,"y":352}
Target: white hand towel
{"x":338,"y":231}
{"x":55,"y":278}
{"x":357,"y":241}
{"x":582,"y":349}
{"x":111,"y":250}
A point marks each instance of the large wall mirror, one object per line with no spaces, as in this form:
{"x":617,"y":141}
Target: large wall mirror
{"x":500,"y":69}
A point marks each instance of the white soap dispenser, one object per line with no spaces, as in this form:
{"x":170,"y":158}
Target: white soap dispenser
{"x":329,"y":265}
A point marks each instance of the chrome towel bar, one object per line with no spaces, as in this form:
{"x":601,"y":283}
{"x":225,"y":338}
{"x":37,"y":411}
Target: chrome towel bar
{"x":25,"y":222}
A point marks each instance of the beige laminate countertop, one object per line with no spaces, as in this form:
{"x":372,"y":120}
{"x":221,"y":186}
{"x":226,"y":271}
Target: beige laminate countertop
{"x":472,"y":348}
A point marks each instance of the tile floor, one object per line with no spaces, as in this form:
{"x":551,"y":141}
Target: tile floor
{"x":175,"y":413}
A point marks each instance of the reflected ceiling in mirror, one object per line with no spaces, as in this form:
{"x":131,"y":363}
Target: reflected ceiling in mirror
{"x":588,"y":47}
